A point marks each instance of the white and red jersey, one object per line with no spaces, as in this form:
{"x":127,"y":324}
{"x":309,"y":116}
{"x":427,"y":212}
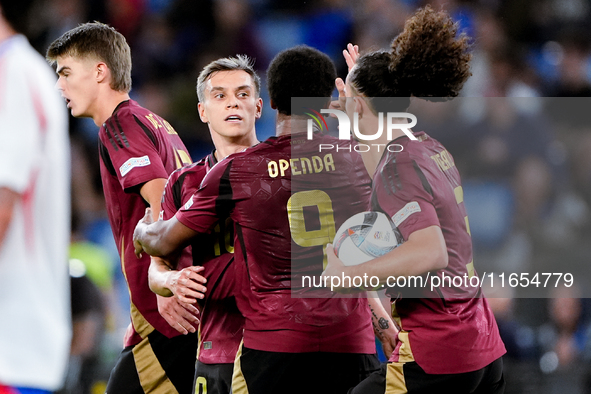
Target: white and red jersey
{"x":34,"y":162}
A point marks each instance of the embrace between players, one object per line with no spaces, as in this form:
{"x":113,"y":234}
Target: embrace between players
{"x":233,"y":238}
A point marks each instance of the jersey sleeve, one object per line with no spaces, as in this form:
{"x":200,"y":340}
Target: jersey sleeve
{"x":181,"y":185}
{"x":404,"y":194}
{"x":213,"y":199}
{"x":132,"y":152}
{"x":168,"y":208}
{"x":20,"y":134}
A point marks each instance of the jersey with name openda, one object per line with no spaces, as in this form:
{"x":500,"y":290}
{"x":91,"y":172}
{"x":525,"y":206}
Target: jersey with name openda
{"x":136,"y":146}
{"x":450,"y":329}
{"x":286,"y":199}
{"x":220,"y":330}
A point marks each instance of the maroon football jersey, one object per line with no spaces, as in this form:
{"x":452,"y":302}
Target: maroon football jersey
{"x":135,"y":147}
{"x":285,"y":208}
{"x":221,"y":326}
{"x":449,"y":330}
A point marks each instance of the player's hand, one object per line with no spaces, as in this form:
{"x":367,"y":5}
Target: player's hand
{"x":388,"y":347}
{"x":340,"y":103}
{"x":389,"y":340}
{"x":181,"y":316}
{"x":334,"y":268}
{"x":187,"y":284}
{"x":139,"y":229}
{"x":351,"y":54}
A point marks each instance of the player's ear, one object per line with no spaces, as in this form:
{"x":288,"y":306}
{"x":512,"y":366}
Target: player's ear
{"x":202,"y":114}
{"x":259,"y":107}
{"x":359,"y":107}
{"x":272,"y":104}
{"x":102,"y":72}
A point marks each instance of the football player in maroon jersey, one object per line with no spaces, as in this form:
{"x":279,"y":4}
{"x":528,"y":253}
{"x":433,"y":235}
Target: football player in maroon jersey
{"x":292,"y":344}
{"x":448,"y":339}
{"x":229,"y":102}
{"x":138,"y":151}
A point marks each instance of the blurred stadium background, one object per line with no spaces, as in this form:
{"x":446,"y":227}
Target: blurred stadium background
{"x":523,"y":147}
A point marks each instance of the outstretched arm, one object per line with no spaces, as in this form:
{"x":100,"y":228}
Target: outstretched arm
{"x":161,"y":238}
{"x":152,"y":192}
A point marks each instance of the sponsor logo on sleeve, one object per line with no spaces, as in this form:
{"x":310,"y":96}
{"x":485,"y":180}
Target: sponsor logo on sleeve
{"x":405,"y":212}
{"x":189,"y":203}
{"x":134,"y":162}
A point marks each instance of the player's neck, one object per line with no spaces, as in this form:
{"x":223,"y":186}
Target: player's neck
{"x":225,"y":148}
{"x":371,"y":161}
{"x":372,"y":156}
{"x":5,"y":31}
{"x":109,"y":100}
{"x":290,"y":124}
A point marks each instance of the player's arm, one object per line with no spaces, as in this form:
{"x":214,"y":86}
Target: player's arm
{"x":179,"y":311}
{"x":424,"y":251}
{"x":185,"y":284}
{"x":383,"y":325}
{"x":151,"y":191}
{"x":161,"y":238}
{"x":158,"y":238}
{"x":164,"y":237}
{"x":8,"y":199}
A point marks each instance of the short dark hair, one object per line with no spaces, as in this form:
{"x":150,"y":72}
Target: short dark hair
{"x":300,"y":71}
{"x":16,"y":13}
{"x":99,"y":41}
{"x":238,"y":63}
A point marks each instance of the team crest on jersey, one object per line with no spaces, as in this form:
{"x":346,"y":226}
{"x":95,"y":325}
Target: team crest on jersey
{"x":405,"y":212}
{"x":134,"y":162}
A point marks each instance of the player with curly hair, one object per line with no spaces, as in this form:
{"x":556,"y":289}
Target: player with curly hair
{"x":448,"y":339}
